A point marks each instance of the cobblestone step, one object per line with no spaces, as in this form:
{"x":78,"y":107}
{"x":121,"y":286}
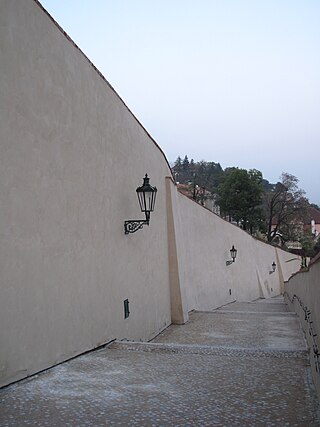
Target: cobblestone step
{"x":263,"y":313}
{"x":207,"y":350}
{"x":259,"y":307}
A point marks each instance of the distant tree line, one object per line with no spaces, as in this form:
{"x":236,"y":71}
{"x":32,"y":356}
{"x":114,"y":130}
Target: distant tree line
{"x":276,"y":212}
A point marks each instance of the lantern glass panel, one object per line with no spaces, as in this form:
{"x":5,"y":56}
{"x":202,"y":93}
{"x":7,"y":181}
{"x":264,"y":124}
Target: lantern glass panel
{"x":146,"y":196}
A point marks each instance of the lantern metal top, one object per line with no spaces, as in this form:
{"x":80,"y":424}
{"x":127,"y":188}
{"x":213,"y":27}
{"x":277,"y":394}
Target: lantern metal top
{"x":146,"y":187}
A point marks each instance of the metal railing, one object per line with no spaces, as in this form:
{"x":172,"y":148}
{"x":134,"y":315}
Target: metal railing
{"x":313,"y":335}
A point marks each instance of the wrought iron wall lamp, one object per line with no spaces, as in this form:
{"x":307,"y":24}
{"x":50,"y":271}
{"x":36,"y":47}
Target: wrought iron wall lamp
{"x":147,"y":198}
{"x":273,"y":265}
{"x":233,"y":253}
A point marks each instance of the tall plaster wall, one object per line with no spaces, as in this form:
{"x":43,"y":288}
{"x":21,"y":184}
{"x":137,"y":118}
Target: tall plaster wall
{"x":71,"y":157}
{"x":306,"y":285}
{"x":203,"y":247}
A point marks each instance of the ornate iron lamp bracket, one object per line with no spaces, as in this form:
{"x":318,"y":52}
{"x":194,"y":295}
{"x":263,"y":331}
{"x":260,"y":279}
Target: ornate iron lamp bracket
{"x":133,"y":225}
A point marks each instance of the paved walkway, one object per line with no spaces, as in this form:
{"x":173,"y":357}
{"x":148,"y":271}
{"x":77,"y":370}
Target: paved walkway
{"x":245,"y":364}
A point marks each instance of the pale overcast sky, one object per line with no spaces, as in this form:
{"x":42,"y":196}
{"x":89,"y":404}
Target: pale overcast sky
{"x":230,"y":81}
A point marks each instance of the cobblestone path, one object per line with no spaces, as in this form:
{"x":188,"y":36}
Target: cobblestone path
{"x":243,"y":365}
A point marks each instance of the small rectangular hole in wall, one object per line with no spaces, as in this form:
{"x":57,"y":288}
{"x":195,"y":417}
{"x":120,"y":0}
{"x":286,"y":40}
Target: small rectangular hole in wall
{"x":126,"y":308}
{"x":230,"y":291}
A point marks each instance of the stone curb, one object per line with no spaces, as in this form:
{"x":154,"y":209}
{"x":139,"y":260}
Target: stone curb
{"x":207,"y":350}
{"x":270,"y":313}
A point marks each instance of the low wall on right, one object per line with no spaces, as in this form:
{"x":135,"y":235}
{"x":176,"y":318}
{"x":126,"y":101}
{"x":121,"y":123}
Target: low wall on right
{"x":302,"y":294}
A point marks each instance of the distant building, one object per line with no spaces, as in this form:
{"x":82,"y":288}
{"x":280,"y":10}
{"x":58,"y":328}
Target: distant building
{"x":313,"y":221}
{"x":311,"y":224}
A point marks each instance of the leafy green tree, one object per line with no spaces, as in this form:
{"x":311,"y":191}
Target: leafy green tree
{"x":239,"y":197}
{"x":203,"y":176}
{"x":281,"y":215}
{"x":285,"y":209}
{"x":308,"y":244}
{"x":177,"y":164}
{"x":316,"y":247}
{"x":185,"y":163}
{"x":181,"y":169}
{"x":209,"y":175}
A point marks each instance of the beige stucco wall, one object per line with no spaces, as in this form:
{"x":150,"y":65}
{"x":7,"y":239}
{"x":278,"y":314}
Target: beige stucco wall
{"x":71,"y":157}
{"x":306,"y":285}
{"x":203,"y":245}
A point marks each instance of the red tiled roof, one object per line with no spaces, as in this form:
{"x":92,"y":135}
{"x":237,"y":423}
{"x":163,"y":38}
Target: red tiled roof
{"x":313,"y":214}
